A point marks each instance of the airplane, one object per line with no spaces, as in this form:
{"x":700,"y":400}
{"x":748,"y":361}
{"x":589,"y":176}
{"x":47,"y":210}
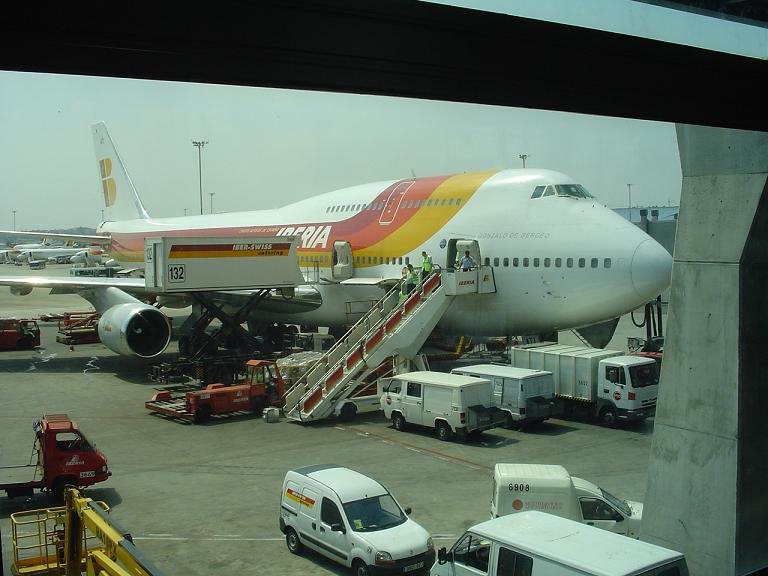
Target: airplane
{"x":78,"y":254}
{"x":560,"y":258}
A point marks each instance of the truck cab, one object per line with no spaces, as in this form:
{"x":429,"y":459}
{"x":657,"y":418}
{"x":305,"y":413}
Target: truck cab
{"x":628,"y":387}
{"x":16,"y":333}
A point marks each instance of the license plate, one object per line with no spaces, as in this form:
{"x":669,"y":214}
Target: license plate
{"x":413,"y":567}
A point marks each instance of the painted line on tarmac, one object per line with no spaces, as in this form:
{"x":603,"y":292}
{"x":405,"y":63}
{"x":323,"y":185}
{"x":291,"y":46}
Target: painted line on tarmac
{"x":435,"y":453}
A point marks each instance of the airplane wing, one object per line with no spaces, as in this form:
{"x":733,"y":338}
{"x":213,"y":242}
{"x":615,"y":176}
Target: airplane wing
{"x":93,"y":239}
{"x":64,"y":284}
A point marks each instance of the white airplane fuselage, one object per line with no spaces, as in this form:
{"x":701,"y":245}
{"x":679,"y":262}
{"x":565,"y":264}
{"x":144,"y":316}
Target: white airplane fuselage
{"x":559,"y":261}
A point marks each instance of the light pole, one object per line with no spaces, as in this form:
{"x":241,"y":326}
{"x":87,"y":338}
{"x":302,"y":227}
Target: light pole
{"x":523,"y":157}
{"x":199,"y":145}
{"x":14,"y":220}
{"x":629,"y":190}
{"x":211,"y":195}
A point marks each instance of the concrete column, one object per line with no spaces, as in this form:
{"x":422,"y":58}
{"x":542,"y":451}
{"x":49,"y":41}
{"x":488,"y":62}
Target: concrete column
{"x":707,"y":494}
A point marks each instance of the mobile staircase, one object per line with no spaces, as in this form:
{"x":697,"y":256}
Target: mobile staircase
{"x":390,"y":328}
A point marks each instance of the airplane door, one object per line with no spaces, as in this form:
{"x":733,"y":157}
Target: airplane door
{"x":394,"y":201}
{"x":456,"y":249}
{"x":342,"y":260}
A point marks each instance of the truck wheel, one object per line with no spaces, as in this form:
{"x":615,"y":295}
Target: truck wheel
{"x":360,"y":568}
{"x":398,"y":422}
{"x":257,"y":405}
{"x":444,"y":432}
{"x":509,"y":422}
{"x":202,"y":414}
{"x":608,"y":416}
{"x":347,"y":412}
{"x":292,"y":541}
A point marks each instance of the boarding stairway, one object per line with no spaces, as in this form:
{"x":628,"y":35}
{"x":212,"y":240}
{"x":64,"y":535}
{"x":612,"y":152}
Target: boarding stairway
{"x":390,"y":328}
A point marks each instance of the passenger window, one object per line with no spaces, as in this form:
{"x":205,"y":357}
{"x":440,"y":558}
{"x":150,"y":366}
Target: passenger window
{"x":513,"y":564}
{"x":429,"y":202}
{"x":329,"y":513}
{"x":615,"y":374}
{"x":537,"y":192}
{"x":450,"y":202}
{"x":473,"y":552}
{"x":443,"y":202}
{"x":407,"y":260}
{"x":393,"y":387}
{"x":547,"y":262}
{"x":487,"y":261}
{"x":569,"y":262}
{"x":593,"y":263}
{"x":535,"y":262}
{"x":550,"y":191}
{"x":582,"y":262}
{"x":414,"y":389}
{"x":558,"y":262}
{"x":506,"y":262}
{"x":515,"y":262}
{"x":596,"y":509}
{"x":525,"y":262}
{"x":607,"y":263}
{"x":496,"y":261}
{"x":458,"y":201}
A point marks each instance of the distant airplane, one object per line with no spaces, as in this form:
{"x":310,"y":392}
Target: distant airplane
{"x":560,"y":258}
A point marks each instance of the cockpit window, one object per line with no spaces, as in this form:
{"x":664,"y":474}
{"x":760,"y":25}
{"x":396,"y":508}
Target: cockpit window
{"x":573,"y":190}
{"x":549,"y":191}
{"x":537,"y":192}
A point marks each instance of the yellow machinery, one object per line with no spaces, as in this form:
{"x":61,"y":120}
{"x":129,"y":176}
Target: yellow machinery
{"x":74,"y":539}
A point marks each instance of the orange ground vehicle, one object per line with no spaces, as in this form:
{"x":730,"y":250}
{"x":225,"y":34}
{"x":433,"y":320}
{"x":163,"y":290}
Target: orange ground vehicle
{"x":64,"y":457}
{"x":16,"y":333}
{"x":263,"y":387}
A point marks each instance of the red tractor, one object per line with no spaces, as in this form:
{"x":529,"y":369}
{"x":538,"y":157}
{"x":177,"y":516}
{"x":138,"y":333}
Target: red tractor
{"x":15,"y":333}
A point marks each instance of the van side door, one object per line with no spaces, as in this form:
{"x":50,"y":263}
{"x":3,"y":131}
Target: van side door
{"x":333,"y":531}
{"x":600,"y":514}
{"x":471,"y":555}
{"x":413,"y":409}
{"x":307,"y":518}
{"x":512,"y":563}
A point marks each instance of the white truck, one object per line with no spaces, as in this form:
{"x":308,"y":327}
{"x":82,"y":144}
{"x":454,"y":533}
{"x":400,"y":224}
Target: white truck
{"x":449,"y":403}
{"x":539,"y":544}
{"x":525,"y":396}
{"x":550,"y":488}
{"x":592,"y":382}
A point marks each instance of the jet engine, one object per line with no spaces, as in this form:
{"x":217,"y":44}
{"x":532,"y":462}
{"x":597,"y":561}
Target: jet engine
{"x":134,"y":328}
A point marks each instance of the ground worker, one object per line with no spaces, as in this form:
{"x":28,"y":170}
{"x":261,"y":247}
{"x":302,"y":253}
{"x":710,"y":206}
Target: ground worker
{"x":411,"y":280}
{"x":467,"y":262}
{"x":426,"y":265}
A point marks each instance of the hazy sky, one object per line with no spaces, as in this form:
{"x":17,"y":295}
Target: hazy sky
{"x":269,"y":147}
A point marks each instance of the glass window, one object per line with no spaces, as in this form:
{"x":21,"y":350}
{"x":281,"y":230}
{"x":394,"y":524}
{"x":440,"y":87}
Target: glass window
{"x":549,"y":191}
{"x":328,"y":209}
{"x":615,"y":374}
{"x":547,"y":262}
{"x":487,"y":261}
{"x":593,"y":262}
{"x":387,"y":260}
{"x":558,"y":262}
{"x":496,"y":261}
{"x":537,"y":192}
{"x":400,"y":261}
{"x":329,"y":513}
{"x":645,"y":375}
{"x":573,"y":190}
{"x":407,"y":260}
{"x":569,"y":262}
{"x":375,"y":513}
{"x":458,"y":201}
{"x":429,"y":202}
{"x":443,"y":202}
{"x":515,"y":262}
{"x":525,"y":262}
{"x":596,"y":509}
{"x":506,"y":262}
{"x":473,"y":551}
{"x":535,"y":262}
{"x":582,"y":262}
{"x":423,"y":203}
{"x":414,"y":389}
{"x":513,"y":564}
{"x":450,"y":202}
{"x":607,"y":263}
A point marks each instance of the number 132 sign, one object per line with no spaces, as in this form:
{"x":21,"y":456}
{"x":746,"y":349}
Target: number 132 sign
{"x":176,"y":273}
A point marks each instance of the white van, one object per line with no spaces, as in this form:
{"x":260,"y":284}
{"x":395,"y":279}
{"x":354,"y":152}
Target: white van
{"x":540,"y":544}
{"x":525,"y":396}
{"x":549,"y":488}
{"x":353,"y":520}
{"x":449,"y":403}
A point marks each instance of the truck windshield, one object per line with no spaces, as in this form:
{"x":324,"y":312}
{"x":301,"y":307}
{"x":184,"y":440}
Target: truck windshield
{"x":644,"y":375}
{"x":620,"y":505}
{"x":373,"y":514}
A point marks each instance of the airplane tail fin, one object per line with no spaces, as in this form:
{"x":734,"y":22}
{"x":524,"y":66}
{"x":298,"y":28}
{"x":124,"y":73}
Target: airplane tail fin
{"x":121,"y":201}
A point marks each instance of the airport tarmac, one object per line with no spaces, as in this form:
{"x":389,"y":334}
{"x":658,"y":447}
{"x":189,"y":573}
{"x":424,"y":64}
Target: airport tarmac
{"x":202,"y":499}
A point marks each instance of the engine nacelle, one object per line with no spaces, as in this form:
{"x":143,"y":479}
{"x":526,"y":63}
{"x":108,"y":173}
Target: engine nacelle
{"x":135,"y":329}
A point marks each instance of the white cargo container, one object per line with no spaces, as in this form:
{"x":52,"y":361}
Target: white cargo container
{"x":606,"y":384}
{"x":539,"y":544}
{"x":550,"y":488}
{"x":525,"y":396}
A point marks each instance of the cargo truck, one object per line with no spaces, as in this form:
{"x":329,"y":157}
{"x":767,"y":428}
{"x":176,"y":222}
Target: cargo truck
{"x":592,"y":382}
{"x":525,"y":396}
{"x":550,"y":488}
{"x":61,"y":456}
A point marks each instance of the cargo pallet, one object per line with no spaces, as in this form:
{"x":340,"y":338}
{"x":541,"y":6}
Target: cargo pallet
{"x":78,"y":328}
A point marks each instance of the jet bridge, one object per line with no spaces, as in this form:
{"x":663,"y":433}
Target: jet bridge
{"x":390,"y":328}
{"x":196,"y":266}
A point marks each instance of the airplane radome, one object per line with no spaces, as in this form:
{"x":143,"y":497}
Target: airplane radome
{"x":560,"y":259}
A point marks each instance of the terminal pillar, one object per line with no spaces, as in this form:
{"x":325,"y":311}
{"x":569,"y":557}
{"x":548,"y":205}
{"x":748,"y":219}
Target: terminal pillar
{"x":706,"y":493}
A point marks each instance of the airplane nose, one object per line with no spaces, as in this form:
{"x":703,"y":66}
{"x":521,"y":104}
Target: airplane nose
{"x":651,"y":269}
